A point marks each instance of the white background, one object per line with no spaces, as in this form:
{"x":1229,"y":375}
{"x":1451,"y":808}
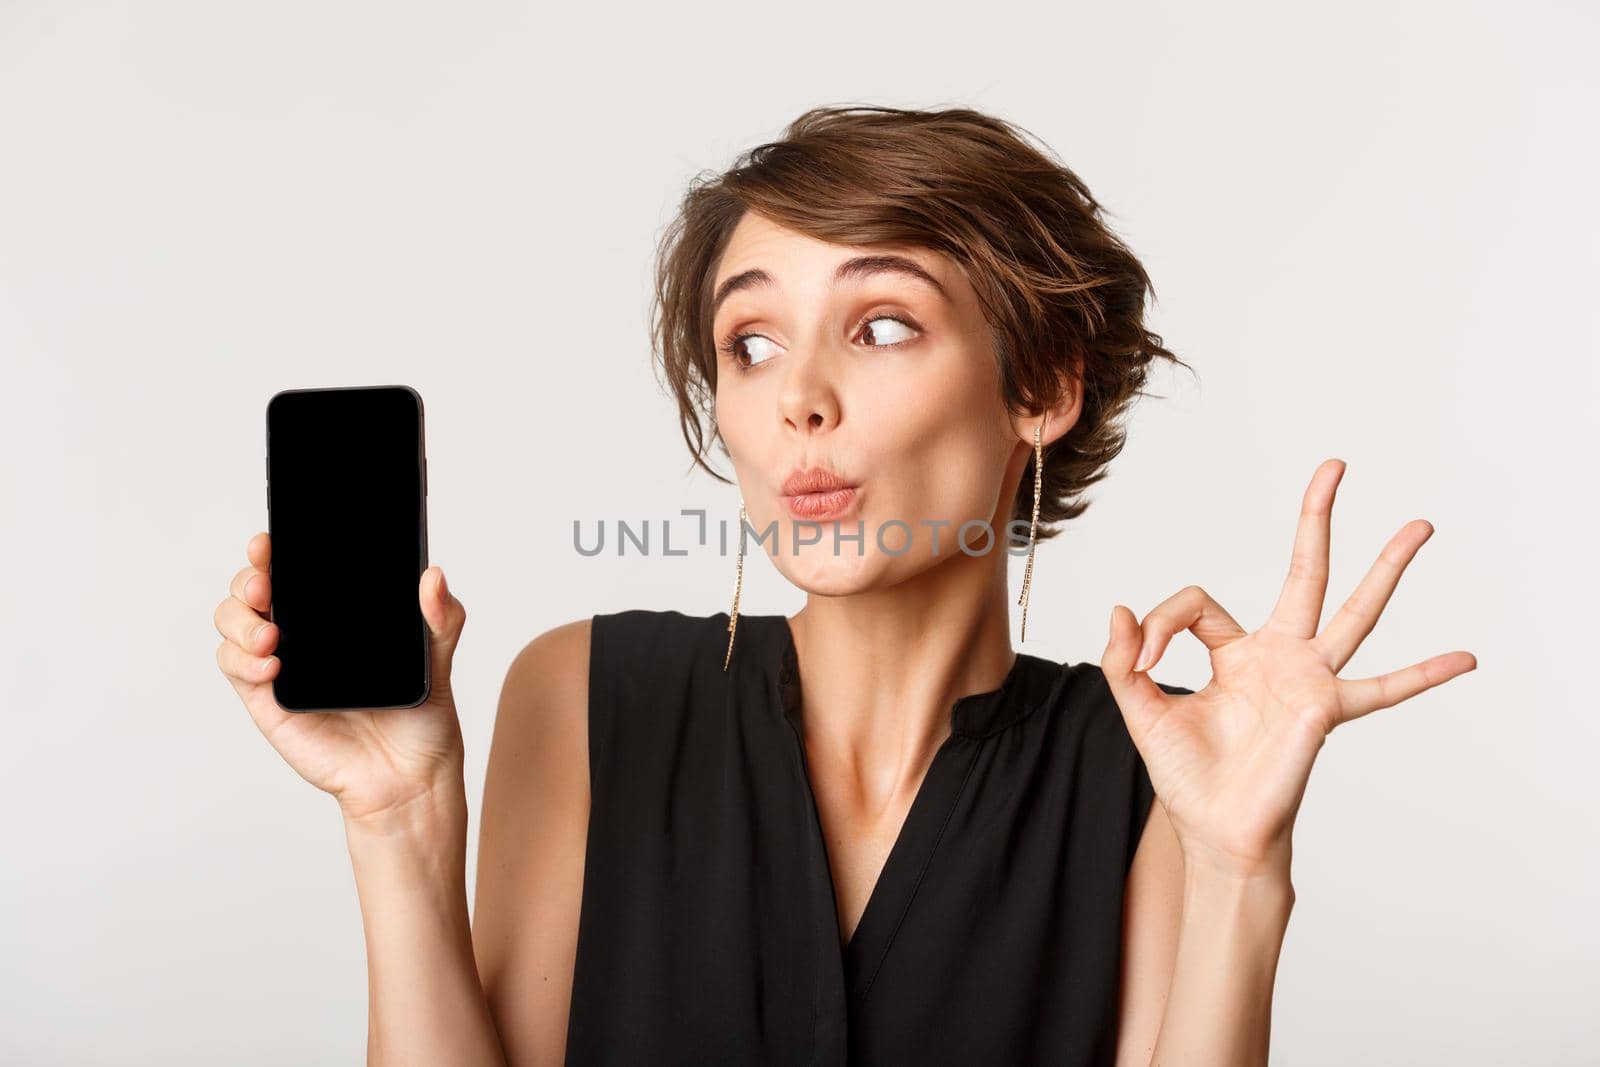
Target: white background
{"x":1372,"y":229}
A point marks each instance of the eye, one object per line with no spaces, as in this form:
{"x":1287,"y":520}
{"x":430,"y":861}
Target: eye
{"x":898,"y":331}
{"x":880,"y":331}
{"x":738,"y":348}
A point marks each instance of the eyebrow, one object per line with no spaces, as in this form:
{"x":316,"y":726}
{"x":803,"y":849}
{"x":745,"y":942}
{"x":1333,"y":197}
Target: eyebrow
{"x":859,"y":267}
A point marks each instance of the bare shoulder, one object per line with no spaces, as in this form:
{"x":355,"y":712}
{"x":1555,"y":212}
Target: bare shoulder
{"x":541,"y":737}
{"x":1152,"y":914}
{"x":540,"y":750}
{"x":548,"y":678}
{"x":532,"y":838}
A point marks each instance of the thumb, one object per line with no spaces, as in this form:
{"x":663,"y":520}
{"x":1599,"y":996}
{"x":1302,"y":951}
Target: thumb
{"x":1136,"y":693}
{"x":445,"y":616}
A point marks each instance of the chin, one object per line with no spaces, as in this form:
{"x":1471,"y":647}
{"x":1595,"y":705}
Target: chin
{"x":816,"y":570}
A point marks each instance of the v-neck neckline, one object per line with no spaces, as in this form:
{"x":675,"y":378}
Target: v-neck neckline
{"x":974,"y":717}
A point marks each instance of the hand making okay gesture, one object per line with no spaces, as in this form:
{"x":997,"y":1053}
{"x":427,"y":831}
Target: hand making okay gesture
{"x":1230,"y":762}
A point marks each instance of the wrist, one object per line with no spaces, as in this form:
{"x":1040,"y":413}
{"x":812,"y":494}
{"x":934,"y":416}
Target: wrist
{"x":1266,"y":892}
{"x":1256,"y":865}
{"x":434,"y":813}
{"x":409,"y":863}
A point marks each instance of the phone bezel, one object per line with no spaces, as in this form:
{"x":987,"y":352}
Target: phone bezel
{"x":422,"y":534}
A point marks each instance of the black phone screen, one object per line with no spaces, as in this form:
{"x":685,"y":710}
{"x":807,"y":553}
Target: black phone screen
{"x":347,"y":515}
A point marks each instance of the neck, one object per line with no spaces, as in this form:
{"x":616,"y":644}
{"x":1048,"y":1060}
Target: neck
{"x":879,"y":671}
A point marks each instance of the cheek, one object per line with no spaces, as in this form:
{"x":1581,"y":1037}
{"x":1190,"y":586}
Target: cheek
{"x":939,"y":448}
{"x":733,"y":421}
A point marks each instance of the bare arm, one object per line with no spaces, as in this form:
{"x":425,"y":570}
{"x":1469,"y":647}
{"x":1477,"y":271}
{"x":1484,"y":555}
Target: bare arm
{"x":1152,"y":920}
{"x":424,"y":1001}
{"x":532,"y":843}
{"x":397,"y":775}
{"x":495,"y":991}
{"x":1220,"y":1007}
{"x":1200,"y":950}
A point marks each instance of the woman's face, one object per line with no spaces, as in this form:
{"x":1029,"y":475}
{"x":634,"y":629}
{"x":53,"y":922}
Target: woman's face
{"x":848,"y":359}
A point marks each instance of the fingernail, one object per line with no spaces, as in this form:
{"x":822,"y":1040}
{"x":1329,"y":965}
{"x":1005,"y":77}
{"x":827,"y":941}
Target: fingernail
{"x":1144,"y":659}
{"x":444,"y":590}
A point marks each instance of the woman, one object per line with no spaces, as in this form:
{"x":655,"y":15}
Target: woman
{"x":870,"y":831}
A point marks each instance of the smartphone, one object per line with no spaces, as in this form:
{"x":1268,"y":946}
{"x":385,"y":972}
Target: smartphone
{"x":347,"y":488}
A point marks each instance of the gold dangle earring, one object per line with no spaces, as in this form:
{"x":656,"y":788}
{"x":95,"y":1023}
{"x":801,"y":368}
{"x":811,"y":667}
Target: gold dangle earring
{"x":1033,"y":527}
{"x":738,"y":585}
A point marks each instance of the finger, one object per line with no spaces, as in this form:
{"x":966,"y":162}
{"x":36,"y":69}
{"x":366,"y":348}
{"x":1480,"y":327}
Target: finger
{"x":248,"y":674}
{"x":1190,"y":608}
{"x":445,"y":616}
{"x":253,"y":587}
{"x":1359,"y":614}
{"x":258,"y":550}
{"x":1359,"y":696}
{"x":243,"y":668}
{"x":245,"y":627}
{"x":1299,"y":607}
{"x":1141,"y":700}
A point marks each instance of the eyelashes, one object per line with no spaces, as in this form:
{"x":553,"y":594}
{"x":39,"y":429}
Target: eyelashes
{"x":729,"y":344}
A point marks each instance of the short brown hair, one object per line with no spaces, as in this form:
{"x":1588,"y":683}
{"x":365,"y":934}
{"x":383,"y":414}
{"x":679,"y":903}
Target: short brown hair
{"x":1062,"y":294}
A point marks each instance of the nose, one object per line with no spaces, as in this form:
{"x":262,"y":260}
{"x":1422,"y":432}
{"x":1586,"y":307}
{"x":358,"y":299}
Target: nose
{"x":809,"y":400}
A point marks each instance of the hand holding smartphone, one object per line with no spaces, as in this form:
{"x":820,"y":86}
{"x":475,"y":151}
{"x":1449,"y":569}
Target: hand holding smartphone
{"x":338,"y":636}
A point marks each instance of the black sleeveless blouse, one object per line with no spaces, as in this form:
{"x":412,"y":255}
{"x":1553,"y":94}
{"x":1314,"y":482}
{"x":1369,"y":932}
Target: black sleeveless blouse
{"x":709,"y":933}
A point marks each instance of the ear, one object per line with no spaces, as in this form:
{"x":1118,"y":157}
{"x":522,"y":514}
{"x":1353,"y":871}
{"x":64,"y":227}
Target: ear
{"x":1057,"y":419}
